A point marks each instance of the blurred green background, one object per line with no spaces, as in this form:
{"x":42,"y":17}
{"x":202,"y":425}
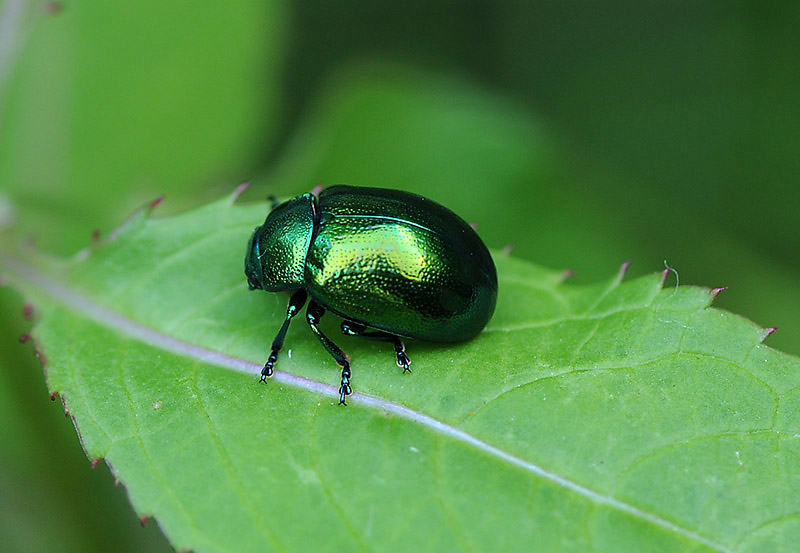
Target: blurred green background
{"x":582,"y":134}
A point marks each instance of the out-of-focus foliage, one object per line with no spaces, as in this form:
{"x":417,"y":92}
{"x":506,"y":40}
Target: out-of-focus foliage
{"x":109,"y":105}
{"x":642,"y":131}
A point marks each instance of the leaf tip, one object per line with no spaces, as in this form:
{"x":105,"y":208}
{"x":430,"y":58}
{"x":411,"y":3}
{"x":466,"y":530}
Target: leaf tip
{"x":27,"y":310}
{"x":53,"y":396}
{"x":96,"y":461}
{"x":24,"y":338}
{"x":96,"y":236}
{"x":144,"y":520}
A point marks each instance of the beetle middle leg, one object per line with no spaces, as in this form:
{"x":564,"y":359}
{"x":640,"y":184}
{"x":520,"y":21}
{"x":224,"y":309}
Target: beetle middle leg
{"x":295,"y":305}
{"x":356,"y":329}
{"x":313,"y":314}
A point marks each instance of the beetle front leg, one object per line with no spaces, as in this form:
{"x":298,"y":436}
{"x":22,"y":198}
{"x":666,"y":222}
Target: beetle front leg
{"x":356,"y":329}
{"x":296,"y":303}
{"x":313,"y":315}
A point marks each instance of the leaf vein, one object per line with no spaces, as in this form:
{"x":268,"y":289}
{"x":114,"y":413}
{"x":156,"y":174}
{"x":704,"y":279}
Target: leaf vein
{"x":73,"y":299}
{"x":228,"y":463}
{"x":324,"y":483}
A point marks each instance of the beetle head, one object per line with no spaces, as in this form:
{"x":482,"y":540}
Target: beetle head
{"x":276,"y":254}
{"x":252,"y":263}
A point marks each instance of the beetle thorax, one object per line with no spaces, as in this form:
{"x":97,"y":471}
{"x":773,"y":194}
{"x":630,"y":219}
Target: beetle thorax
{"x":279,"y":247}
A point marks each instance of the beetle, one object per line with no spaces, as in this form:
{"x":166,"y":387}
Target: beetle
{"x":390,"y":261}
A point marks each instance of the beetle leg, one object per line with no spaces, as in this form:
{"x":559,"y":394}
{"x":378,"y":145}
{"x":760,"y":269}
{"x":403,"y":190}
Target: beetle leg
{"x":313,"y":315}
{"x":356,"y":329}
{"x":295,"y":305}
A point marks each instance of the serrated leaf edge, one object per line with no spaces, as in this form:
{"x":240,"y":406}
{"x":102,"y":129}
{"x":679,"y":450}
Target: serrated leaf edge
{"x":72,"y":299}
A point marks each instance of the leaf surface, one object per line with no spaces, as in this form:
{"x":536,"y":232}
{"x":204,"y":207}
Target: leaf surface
{"x":621,"y":416}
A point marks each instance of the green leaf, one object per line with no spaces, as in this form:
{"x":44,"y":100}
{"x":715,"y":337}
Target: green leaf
{"x":612,"y":417}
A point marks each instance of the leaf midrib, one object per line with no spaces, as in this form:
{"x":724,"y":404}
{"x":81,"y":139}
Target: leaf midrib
{"x":72,"y":299}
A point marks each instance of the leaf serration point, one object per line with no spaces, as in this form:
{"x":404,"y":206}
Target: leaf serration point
{"x":239,"y":190}
{"x":716,"y":292}
{"x":52,"y":7}
{"x":141,"y":212}
{"x":623,"y":269}
{"x":38,"y":353}
{"x":667,"y":270}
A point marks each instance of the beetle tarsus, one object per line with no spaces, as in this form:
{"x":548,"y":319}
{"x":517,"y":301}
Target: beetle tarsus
{"x":345,"y":389}
{"x":403,"y":361}
{"x":267,"y":371}
{"x":356,"y":329}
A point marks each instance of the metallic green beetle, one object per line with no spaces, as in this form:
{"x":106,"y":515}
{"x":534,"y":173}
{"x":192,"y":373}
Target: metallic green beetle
{"x":392,"y":261}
